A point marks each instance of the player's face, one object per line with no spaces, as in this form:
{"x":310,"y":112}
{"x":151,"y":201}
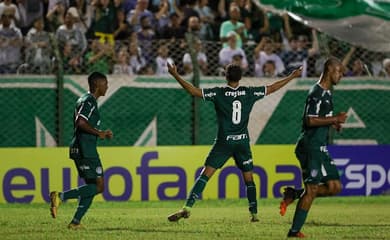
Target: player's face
{"x":337,"y":73}
{"x":102,"y":85}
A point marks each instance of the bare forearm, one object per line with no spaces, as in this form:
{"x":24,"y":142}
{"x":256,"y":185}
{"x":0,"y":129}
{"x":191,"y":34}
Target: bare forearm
{"x":321,"y":121}
{"x":84,"y":126}
{"x":194,"y":91}
{"x":279,"y":84}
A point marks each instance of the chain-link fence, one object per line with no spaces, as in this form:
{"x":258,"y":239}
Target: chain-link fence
{"x":144,"y":106}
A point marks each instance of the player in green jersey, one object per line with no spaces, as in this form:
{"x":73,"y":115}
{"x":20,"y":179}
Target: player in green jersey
{"x":83,"y":150}
{"x":319,"y":173}
{"x":233,"y":104}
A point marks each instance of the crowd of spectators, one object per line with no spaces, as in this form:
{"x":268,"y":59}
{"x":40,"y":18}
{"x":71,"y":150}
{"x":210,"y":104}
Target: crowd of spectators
{"x":140,"y":36}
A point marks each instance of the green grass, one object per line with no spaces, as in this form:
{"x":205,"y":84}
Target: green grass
{"x":330,"y":218}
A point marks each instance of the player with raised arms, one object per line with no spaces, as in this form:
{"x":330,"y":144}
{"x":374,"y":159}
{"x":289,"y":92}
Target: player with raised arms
{"x":233,"y":104}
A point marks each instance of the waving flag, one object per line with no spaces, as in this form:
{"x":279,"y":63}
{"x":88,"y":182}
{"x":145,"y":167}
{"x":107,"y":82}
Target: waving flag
{"x":364,"y":23}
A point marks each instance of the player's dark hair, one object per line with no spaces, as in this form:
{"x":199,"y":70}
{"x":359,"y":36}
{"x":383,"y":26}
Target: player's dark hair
{"x":233,"y":73}
{"x":331,"y":61}
{"x":93,"y":78}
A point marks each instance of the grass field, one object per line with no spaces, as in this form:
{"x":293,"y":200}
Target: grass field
{"x":330,"y":218}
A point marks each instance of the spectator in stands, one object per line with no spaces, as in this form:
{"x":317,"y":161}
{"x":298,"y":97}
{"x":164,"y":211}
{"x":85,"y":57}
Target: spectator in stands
{"x":98,"y":58}
{"x":136,"y":60}
{"x":12,"y":11}
{"x":385,"y":72}
{"x":29,"y":10}
{"x":162,"y":15}
{"x":11,"y":41}
{"x":55,"y":15}
{"x":103,"y":20}
{"x":269,"y":69}
{"x":357,"y":68}
{"x":69,"y":33}
{"x":264,"y":52}
{"x":84,"y":12}
{"x":140,"y":12}
{"x":122,"y":65}
{"x":145,"y":37}
{"x":206,"y":17}
{"x":200,"y":56}
{"x":259,"y":25}
{"x":233,"y":24}
{"x":188,"y":11}
{"x":122,"y":29}
{"x":233,"y":53}
{"x":297,"y":52}
{"x":39,"y":49}
{"x":173,"y":30}
{"x":70,"y":64}
{"x":161,"y":60}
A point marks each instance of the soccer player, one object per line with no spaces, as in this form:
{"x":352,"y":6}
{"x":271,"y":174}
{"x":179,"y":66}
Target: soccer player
{"x":83,"y":150}
{"x":320,"y":175}
{"x":233,"y":104}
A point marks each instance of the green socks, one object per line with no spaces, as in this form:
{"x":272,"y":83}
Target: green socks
{"x":196,"y":190}
{"x":299,"y":219}
{"x":83,"y":207}
{"x":251,"y":195}
{"x":85,"y":191}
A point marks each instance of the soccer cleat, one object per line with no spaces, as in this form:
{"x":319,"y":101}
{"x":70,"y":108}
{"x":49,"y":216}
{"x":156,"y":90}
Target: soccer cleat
{"x":254,"y":217}
{"x":183,"y":213}
{"x":75,"y":226}
{"x":289,"y":196}
{"x":55,"y":202}
{"x":295,"y":234}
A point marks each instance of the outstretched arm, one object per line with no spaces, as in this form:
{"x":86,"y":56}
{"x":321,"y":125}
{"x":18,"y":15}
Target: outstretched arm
{"x":279,"y":84}
{"x":191,"y":89}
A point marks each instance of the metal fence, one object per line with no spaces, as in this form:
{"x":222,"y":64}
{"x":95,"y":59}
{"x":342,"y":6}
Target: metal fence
{"x":144,"y":106}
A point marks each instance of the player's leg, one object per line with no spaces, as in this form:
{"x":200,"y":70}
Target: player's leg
{"x":331,"y":178}
{"x":217,"y":157}
{"x":312,"y":175}
{"x":86,"y":201}
{"x":194,"y":194}
{"x":243,"y":157}
{"x":251,"y":195}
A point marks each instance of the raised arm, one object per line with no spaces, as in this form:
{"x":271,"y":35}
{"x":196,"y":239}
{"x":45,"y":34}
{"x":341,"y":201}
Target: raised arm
{"x":279,"y":84}
{"x":191,"y":89}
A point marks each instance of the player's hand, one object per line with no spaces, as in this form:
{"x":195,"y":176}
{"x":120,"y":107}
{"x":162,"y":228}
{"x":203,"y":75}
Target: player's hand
{"x":341,"y":117}
{"x":297,"y":72}
{"x":171,"y":68}
{"x":337,"y":126}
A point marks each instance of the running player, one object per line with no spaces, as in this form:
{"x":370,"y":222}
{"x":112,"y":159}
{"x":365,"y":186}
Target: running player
{"x":83,"y":151}
{"x":320,"y":175}
{"x":233,"y":104}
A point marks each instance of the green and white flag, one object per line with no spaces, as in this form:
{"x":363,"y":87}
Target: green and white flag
{"x":364,"y":23}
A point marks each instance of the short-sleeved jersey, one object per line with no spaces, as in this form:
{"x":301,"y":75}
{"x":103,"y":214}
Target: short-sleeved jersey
{"x":233,"y":107}
{"x":86,"y":107}
{"x":318,"y":104}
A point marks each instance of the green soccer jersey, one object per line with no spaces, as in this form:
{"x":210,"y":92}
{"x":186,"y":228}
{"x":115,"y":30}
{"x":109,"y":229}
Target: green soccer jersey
{"x":318,"y":104}
{"x":233,"y":107}
{"x":86,"y":107}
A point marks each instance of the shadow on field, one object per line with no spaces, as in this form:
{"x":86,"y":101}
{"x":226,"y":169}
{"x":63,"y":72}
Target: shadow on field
{"x":144,"y":230}
{"x":327,"y":224}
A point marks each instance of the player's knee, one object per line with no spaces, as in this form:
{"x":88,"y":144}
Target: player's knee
{"x":335,"y":188}
{"x":100,"y":188}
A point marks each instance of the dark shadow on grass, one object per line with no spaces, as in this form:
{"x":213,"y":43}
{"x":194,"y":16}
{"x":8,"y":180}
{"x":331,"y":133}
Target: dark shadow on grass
{"x":327,"y":224}
{"x":145,"y":230}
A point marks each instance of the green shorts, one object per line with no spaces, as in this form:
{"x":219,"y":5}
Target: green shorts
{"x":317,"y":166}
{"x":240,"y":152}
{"x":89,"y":168}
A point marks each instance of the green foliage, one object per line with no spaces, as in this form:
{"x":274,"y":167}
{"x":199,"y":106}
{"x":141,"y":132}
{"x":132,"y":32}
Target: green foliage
{"x":330,"y":218}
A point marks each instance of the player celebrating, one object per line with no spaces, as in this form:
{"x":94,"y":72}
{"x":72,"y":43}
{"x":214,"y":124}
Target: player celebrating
{"x":233,"y":104}
{"x":319,"y":173}
{"x":83,"y":150}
